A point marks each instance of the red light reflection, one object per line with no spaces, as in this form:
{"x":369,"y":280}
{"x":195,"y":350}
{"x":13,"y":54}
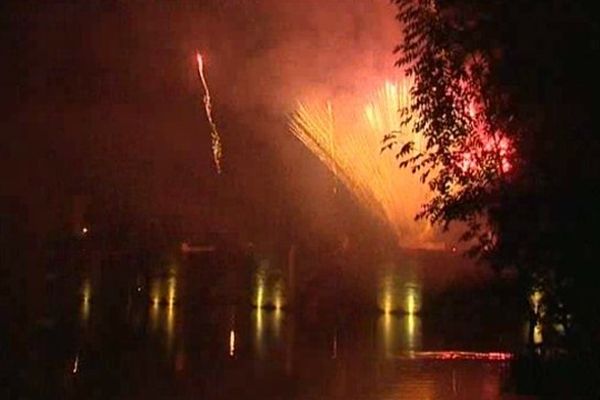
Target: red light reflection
{"x":461,"y":355}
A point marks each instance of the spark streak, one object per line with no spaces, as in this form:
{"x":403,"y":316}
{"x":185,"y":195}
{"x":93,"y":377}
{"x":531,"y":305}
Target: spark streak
{"x":214,"y":135}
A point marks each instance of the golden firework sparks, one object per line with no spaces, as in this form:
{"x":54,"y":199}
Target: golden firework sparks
{"x":214,"y":135}
{"x":350,"y":148}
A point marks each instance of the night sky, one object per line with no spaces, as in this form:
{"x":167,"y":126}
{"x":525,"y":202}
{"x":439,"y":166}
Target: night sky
{"x":102,"y":98}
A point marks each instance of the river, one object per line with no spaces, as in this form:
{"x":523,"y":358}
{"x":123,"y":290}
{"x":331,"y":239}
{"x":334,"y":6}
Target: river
{"x":183,"y":329}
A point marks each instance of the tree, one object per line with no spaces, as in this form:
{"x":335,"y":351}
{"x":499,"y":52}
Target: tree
{"x":503,"y":96}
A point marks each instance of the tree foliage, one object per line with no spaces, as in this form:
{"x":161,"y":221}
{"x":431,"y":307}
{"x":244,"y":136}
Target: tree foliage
{"x":462,"y":160}
{"x":499,"y":82}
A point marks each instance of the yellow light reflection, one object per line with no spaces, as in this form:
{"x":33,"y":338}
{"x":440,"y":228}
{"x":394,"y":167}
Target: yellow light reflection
{"x":413,"y":331}
{"x":278,"y":294}
{"x":536,"y":299}
{"x":269,"y":329}
{"x":155,"y":292}
{"x":260,"y":295}
{"x":537,"y":334}
{"x":85,"y":311}
{"x":259,"y":322}
{"x":154,"y":315}
{"x":277,"y":317}
{"x":398,"y":334}
{"x":259,"y":332}
{"x":260,"y":279}
{"x":410,"y":325}
{"x":410,"y":304}
{"x":387,"y":303}
{"x":386,"y":296}
{"x":87,"y":295}
{"x":170,"y":327}
{"x":171,"y":292}
{"x":388,"y":333}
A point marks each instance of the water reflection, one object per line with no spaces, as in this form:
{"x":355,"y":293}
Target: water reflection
{"x":267,"y":330}
{"x":170,"y":326}
{"x":171,"y":283}
{"x":154,"y":315}
{"x":413,"y":303}
{"x":277,"y":319}
{"x":162,"y":322}
{"x":413,"y":331}
{"x":86,"y":300}
{"x":260,"y":278}
{"x":537,"y":334}
{"x":260,"y":292}
{"x":199,"y":349}
{"x":398,"y":290}
{"x":398,"y":334}
{"x":269,"y":286}
{"x":259,"y":331}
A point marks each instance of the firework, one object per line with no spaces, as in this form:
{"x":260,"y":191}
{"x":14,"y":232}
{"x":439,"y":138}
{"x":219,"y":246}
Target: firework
{"x":350,"y":147}
{"x":214,"y":134}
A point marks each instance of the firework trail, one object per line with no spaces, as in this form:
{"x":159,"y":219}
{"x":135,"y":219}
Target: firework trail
{"x":350,"y":148}
{"x":217,"y":149}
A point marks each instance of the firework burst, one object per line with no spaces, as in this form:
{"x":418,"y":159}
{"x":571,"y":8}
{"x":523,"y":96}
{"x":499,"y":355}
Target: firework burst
{"x":349,"y":145}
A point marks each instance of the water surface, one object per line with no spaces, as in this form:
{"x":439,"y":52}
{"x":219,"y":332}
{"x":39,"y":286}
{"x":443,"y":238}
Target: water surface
{"x":170,"y":333}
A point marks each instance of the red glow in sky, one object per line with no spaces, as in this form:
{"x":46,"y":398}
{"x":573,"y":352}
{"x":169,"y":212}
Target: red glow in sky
{"x":485,"y":147}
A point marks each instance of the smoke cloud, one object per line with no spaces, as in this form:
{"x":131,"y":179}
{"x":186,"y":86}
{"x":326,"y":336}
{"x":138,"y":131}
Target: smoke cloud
{"x":104,"y":99}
